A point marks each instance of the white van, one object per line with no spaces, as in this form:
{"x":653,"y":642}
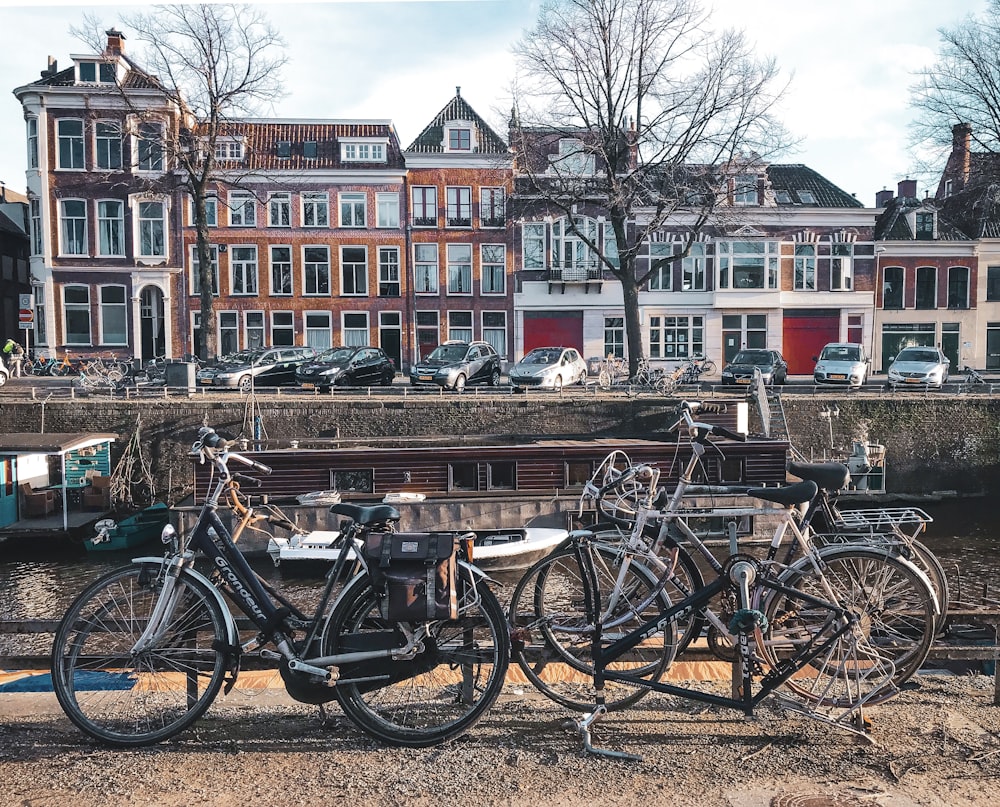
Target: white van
{"x":842,"y":363}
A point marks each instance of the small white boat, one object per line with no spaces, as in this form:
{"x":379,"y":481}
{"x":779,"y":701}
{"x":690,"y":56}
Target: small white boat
{"x":497,"y":550}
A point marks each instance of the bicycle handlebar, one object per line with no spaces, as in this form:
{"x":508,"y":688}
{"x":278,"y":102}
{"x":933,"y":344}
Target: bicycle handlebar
{"x":210,"y":444}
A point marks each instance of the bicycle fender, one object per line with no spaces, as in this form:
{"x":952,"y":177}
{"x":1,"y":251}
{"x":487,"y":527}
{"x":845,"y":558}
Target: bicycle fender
{"x":232,"y":635}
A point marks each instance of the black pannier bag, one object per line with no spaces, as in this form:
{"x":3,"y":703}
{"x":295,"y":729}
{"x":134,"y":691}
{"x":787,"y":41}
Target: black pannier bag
{"x":414,"y":574}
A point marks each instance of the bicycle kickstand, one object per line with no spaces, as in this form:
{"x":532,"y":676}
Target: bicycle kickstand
{"x":583,"y":728}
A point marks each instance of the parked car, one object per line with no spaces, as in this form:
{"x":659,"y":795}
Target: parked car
{"x":264,"y":367}
{"x":919,"y":365}
{"x":550,"y":368}
{"x":346,"y":367}
{"x":4,"y":375}
{"x":454,"y":364}
{"x":772,"y":367}
{"x":841,"y":363}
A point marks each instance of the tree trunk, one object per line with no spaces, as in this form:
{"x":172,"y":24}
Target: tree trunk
{"x":633,"y":328}
{"x":206,"y":347}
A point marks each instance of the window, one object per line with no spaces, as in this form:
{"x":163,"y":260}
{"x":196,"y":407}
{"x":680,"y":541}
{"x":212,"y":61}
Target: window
{"x":493,"y":267}
{"x":614,"y":336}
{"x":359,"y":481}
{"x":573,"y":158}
{"x":805,"y":267}
{"x":318,"y":329}
{"x":243,"y":270}
{"x":229,"y":332}
{"x":661,"y":267}
{"x":783,"y":197}
{"x":533,"y":246}
{"x":211,"y":211}
{"x":114,"y":326}
{"x":746,"y":265}
{"x":495,"y":331}
{"x":993,"y":283}
{"x":693,"y":268}
{"x":228,"y":150}
{"x":806,"y":197}
{"x":611,"y":247}
{"x":73,"y":220}
{"x":501,"y":475}
{"x":70,"y":136}
{"x":459,"y":207}
{"x":151,"y":230}
{"x":196,"y":271}
{"x":108,"y":143}
{"x":425,"y":268}
{"x":110,"y":228}
{"x":150,"y":147}
{"x":459,"y":140}
{"x":40,"y":335}
{"x":36,"y":226}
{"x":362,"y":152}
{"x":93,"y":72}
{"x":387,"y":205}
{"x":571,"y":254}
{"x":76,"y":314}
{"x":310,"y":149}
{"x":355,"y":330}
{"x":353,"y":270}
{"x":745,"y":189}
{"x":926,"y":296}
{"x":958,"y":287}
{"x":892,"y":287}
{"x":492,"y":207}
{"x":459,"y":268}
{"x":842,"y":267}
{"x":463,"y":476}
{"x":32,"y":124}
{"x":460,"y":325}
{"x":315,"y":210}
{"x":352,"y":210}
{"x":279,"y":210}
{"x":242,"y":209}
{"x":424,"y":206}
{"x":388,"y":271}
{"x":281,"y":270}
{"x":925,"y":226}
{"x":253,"y":329}
{"x":284,"y":149}
{"x":676,"y":337}
{"x":282,"y":328}
{"x":316,"y":267}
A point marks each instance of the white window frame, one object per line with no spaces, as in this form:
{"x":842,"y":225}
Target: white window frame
{"x":462,"y":266}
{"x":244,"y":271}
{"x":355,"y":335}
{"x":279,"y":210}
{"x":315,"y":209}
{"x":113,"y":223}
{"x":389,"y":271}
{"x":317,"y":266}
{"x":428,"y":199}
{"x":459,"y":331}
{"x":106,"y":308}
{"x":745,"y":189}
{"x":491,"y":331}
{"x":193,"y":278}
{"x":240,"y":203}
{"x":454,"y":140}
{"x":70,"y":139}
{"x":105,"y":143}
{"x":492,"y":207}
{"x":211,"y":211}
{"x":841,"y":266}
{"x":312,"y":329}
{"x":362,"y":151}
{"x":661,"y":278}
{"x":32,"y":132}
{"x":355,"y":285}
{"x":154,"y":158}
{"x":694,"y":268}
{"x":249,"y":329}
{"x":533,"y":245}
{"x":280,"y":326}
{"x":228,"y":149}
{"x":676,"y":337}
{"x":487,"y":259}
{"x":726,"y":256}
{"x":355,"y":204}
{"x":287,"y":266}
{"x":83,"y":306}
{"x":387,"y":210}
{"x":37,"y":240}
{"x":145,"y":225}
{"x":229,"y":327}
{"x":83,"y":241}
{"x":804,"y":274}
{"x":422,"y":270}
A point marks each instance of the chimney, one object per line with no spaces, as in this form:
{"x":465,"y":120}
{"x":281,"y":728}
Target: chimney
{"x":907,"y":189}
{"x":883,"y":197}
{"x":116,"y":42}
{"x":52,"y":69}
{"x":961,"y":152}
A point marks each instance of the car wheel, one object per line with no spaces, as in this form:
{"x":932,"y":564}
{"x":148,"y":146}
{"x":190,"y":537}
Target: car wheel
{"x":387,"y":381}
{"x":459,"y":383}
{"x":495,"y":377}
{"x":3,"y":379}
{"x":245,"y":383}
{"x":557,"y":383}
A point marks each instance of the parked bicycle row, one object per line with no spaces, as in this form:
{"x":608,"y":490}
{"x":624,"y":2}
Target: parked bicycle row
{"x":836,"y":614}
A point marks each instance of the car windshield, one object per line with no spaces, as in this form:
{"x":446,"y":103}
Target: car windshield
{"x":917,"y":354}
{"x":243,"y":357}
{"x":448,"y":353}
{"x":335,"y":355}
{"x":542,"y":357}
{"x":761,"y":358}
{"x":840,"y":353}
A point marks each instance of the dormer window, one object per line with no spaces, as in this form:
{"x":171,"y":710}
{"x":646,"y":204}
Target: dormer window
{"x":783,"y":197}
{"x":284,"y":149}
{"x":572,"y":158}
{"x":807,"y":198}
{"x":360,"y":151}
{"x":745,"y":189}
{"x":96,"y":72}
{"x":310,"y":149}
{"x":925,"y":226}
{"x":459,"y":140}
{"x":226,"y":149}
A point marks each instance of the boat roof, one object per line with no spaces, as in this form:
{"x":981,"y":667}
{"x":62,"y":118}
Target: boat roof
{"x":51,"y":442}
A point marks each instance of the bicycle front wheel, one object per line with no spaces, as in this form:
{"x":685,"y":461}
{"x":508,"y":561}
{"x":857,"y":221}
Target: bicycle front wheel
{"x":441,"y":692}
{"x":128,"y":698}
{"x":707,"y":367}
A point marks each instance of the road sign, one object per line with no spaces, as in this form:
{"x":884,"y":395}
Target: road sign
{"x":25,"y":301}
{"x":26,"y":319}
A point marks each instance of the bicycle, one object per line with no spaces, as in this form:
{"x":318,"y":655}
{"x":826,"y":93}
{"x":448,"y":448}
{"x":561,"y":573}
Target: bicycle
{"x":141,"y":654}
{"x":695,"y":368}
{"x":546,"y":602}
{"x":613,"y":370}
{"x":972,"y":376}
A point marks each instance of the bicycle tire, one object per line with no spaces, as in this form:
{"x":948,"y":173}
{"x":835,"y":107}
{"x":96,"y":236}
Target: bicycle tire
{"x":894,"y":604}
{"x":127,"y":700}
{"x":604,"y":379}
{"x":708,"y":367}
{"x":455,"y":685}
{"x":551,"y":635}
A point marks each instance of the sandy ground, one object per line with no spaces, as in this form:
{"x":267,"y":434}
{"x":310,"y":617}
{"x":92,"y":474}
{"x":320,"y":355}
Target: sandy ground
{"x":938,"y":744}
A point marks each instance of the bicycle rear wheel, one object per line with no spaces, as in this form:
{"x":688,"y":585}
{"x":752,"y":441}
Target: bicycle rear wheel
{"x":440,"y":693}
{"x":707,"y":367}
{"x":129,"y":699}
{"x":551,"y":635}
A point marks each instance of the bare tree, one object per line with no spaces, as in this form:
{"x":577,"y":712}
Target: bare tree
{"x":212,"y":64}
{"x":663,"y":109}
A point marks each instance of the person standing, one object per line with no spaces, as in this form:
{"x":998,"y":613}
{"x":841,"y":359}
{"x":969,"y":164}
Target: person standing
{"x":15,"y":356}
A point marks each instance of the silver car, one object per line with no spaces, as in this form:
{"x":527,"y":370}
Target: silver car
{"x":549,"y":368}
{"x":919,"y":365}
{"x":841,"y":363}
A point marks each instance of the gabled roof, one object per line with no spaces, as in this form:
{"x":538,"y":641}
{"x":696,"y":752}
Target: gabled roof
{"x":797,"y":178}
{"x":893,"y":223}
{"x":431,"y":139}
{"x":135,"y":79}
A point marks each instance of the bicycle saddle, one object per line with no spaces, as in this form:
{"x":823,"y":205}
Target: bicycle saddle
{"x":788,"y":495}
{"x":827,"y":475}
{"x":366,"y":515}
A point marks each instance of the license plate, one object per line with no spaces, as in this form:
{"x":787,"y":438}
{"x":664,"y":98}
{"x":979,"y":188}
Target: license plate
{"x":742,"y":380}
{"x":913,"y":381}
{"x":206,"y":381}
{"x":838,"y":376}
{"x":426,"y":378}
{"x":308,"y":385}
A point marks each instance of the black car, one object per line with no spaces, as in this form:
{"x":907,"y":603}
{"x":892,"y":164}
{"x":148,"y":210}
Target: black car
{"x":740,"y":370}
{"x":452,"y":365}
{"x":347,"y":367}
{"x":263,"y":367}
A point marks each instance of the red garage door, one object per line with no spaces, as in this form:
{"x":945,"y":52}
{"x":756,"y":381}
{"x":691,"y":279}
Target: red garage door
{"x":553,"y":329}
{"x":803,"y":336}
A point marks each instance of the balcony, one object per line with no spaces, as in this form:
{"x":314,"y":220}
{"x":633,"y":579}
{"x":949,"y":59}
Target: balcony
{"x":587,"y":273}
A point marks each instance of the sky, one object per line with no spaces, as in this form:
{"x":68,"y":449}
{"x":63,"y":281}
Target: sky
{"x":850,"y":65}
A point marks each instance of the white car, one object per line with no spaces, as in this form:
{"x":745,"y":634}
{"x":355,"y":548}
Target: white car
{"x":841,"y":363}
{"x":549,"y":368}
{"x":919,"y":365}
